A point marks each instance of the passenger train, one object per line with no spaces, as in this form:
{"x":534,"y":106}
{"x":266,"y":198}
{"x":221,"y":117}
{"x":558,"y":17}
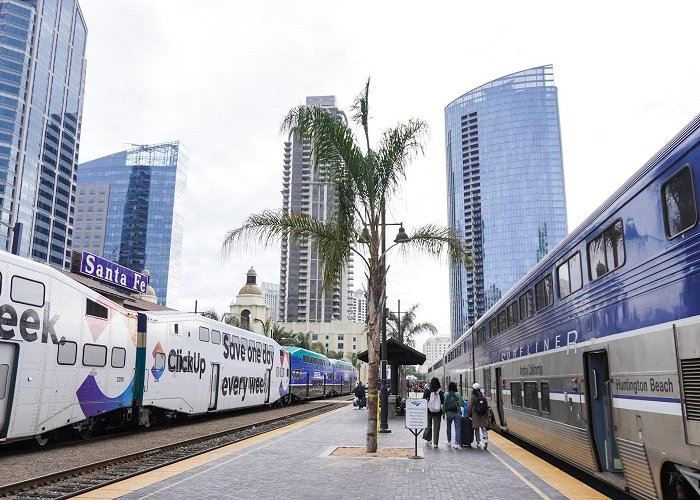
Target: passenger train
{"x":594,"y":355}
{"x":72,"y":359}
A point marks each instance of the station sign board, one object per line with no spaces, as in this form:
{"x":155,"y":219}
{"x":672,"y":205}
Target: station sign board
{"x":112,"y":273}
{"x":416,"y":413}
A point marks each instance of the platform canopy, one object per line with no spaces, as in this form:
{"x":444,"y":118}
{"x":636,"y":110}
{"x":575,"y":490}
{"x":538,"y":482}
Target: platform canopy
{"x":398,"y":354}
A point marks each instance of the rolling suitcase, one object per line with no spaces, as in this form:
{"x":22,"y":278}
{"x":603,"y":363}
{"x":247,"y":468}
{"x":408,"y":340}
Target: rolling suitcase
{"x":467,"y":432}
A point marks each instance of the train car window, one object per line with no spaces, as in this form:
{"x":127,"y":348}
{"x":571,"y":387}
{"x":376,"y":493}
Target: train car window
{"x":606,"y":252}
{"x":516,"y":397}
{"x":94,"y":355}
{"x":569,"y":276}
{"x":526,"y":305}
{"x":215,"y":337}
{"x":160,"y":361}
{"x":118,"y":357}
{"x":480,"y":335}
{"x":680,"y":213}
{"x":493,"y":328}
{"x":543,"y":293}
{"x":203,"y":334}
{"x":512,"y":314}
{"x":4,"y":372}
{"x":530,"y":390}
{"x":67,"y":352}
{"x":26,"y":291}
{"x":502,"y":323}
{"x":544,"y":388}
{"x":92,"y":308}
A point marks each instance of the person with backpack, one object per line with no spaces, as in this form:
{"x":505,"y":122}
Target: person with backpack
{"x":435,"y":399}
{"x":360,"y":394}
{"x":453,"y":405}
{"x":479,"y":413}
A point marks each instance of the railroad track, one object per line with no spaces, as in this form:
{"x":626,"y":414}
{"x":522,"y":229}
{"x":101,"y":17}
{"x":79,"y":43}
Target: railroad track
{"x":78,"y":480}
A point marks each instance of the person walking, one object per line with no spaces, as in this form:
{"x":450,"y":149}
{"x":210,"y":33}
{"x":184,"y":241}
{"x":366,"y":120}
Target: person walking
{"x":436,"y":398}
{"x":478,"y":411}
{"x":360,"y":394}
{"x":453,"y":413}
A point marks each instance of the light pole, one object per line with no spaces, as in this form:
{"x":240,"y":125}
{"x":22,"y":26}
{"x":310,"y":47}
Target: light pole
{"x":401,"y":237}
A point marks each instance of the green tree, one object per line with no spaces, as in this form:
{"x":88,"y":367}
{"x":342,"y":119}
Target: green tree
{"x":411,"y":370}
{"x":303,"y":340}
{"x":318,"y":347}
{"x":281,"y":335}
{"x":364,"y":179}
{"x":211,"y":314}
{"x":406,"y":331}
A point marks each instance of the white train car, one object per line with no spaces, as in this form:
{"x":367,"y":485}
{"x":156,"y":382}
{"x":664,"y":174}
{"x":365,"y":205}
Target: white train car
{"x":195,"y":365}
{"x":67,"y":354}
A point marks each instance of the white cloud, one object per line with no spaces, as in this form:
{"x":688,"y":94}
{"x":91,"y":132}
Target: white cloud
{"x":219,"y":76}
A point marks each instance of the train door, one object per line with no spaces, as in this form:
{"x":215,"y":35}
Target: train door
{"x":214,"y":388}
{"x":499,"y":397}
{"x":601,"y":423}
{"x":7,"y":359}
{"x":268,"y":376}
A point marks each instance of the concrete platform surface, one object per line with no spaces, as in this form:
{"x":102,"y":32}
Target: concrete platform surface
{"x":297,"y":463}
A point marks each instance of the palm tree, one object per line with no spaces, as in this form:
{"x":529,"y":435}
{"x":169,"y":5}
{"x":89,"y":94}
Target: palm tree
{"x":281,"y":335}
{"x":266,"y":325}
{"x":406,"y":331}
{"x":364,"y":179}
{"x":303,"y":340}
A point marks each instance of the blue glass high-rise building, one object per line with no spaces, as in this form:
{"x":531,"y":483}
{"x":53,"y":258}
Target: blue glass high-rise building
{"x":42,"y":76}
{"x":130,"y":209}
{"x":505,"y":185}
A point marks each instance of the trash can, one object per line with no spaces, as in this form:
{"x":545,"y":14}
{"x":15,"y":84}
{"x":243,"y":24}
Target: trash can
{"x":392,"y":406}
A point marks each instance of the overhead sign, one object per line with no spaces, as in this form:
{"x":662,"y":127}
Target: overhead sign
{"x":112,"y":273}
{"x":416,"y":413}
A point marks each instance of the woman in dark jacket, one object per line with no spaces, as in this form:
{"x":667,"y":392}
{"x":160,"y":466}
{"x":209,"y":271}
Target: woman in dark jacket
{"x":433,"y":429}
{"x":479,"y":422}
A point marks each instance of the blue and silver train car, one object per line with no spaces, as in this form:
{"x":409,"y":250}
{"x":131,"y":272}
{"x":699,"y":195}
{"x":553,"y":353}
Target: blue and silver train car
{"x":343,"y":378}
{"x":594,"y":355}
{"x":311,"y":373}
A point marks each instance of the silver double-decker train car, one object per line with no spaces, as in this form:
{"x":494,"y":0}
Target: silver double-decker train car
{"x":594,"y":355}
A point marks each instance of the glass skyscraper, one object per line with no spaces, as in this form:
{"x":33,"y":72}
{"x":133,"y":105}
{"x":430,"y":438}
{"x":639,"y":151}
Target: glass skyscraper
{"x":505,"y":185}
{"x":42,"y":77}
{"x":130,"y":209}
{"x":302,"y":298}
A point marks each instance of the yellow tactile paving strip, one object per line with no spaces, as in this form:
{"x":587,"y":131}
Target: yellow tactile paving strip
{"x":147,"y":479}
{"x":557,"y":479}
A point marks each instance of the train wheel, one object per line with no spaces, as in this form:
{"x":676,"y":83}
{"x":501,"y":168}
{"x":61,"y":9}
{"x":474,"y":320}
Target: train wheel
{"x":43,"y":438}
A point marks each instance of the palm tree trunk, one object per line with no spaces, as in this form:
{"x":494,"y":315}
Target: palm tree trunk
{"x":374,"y":328}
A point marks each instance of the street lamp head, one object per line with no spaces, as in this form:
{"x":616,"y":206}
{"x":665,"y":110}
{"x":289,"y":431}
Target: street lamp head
{"x":401,"y":237}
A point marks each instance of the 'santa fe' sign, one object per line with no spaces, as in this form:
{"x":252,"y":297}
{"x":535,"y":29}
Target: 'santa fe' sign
{"x":110,"y":272}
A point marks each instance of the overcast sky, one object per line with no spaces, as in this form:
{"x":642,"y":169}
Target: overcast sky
{"x":220,"y":75}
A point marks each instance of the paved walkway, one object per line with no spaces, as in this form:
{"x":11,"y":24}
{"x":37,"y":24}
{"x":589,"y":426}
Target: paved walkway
{"x":295,"y":463}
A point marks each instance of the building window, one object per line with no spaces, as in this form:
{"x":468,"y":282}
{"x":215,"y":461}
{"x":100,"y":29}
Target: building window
{"x":341,"y":336}
{"x":340,"y":345}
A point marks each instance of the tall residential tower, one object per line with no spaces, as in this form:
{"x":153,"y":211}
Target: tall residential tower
{"x":307,"y":190}
{"x":42,"y":78}
{"x":131,"y":210}
{"x":505,"y":185}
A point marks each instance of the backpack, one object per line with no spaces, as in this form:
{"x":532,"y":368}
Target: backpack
{"x":451,"y":402}
{"x":434,"y":402}
{"x":481,"y":407}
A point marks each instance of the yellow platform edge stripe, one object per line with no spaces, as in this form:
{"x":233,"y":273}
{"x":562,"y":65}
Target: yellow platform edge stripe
{"x":557,"y":479}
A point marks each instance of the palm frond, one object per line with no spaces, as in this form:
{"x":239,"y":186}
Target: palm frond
{"x":360,"y":108}
{"x":397,"y":147}
{"x":437,"y":240}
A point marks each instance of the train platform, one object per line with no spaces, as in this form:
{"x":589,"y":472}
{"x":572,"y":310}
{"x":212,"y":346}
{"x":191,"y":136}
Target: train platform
{"x":318,"y":458}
